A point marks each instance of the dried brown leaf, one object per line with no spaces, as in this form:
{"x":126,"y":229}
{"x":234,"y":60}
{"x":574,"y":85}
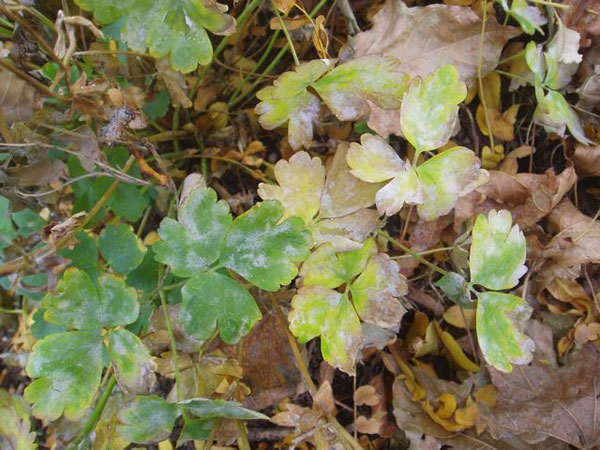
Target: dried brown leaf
{"x":16,"y":97}
{"x":587,"y":161}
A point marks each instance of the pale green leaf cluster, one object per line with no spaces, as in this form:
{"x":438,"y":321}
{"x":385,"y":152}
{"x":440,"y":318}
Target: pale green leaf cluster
{"x":15,"y":426}
{"x":529,"y":17}
{"x":174,"y":28}
{"x":333,"y":205}
{"x":497,"y":262}
{"x":260,"y":245}
{"x":553,"y":68}
{"x":345,"y":89}
{"x":373,"y":290}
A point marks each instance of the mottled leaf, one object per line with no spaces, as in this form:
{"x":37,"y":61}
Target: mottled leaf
{"x":529,"y":17}
{"x":68,"y":367}
{"x":288,"y":100}
{"x":301,"y":181}
{"x":15,"y":425}
{"x":121,"y":248}
{"x":205,"y":408}
{"x":263,"y":250}
{"x":148,"y":419}
{"x":430,"y":108}
{"x":375,"y":78}
{"x":347,"y":232}
{"x":131,"y":360}
{"x":562,"y":57}
{"x":81,"y":304}
{"x":497,"y":252}
{"x":319,"y":311}
{"x":456,"y":289}
{"x":190,"y":244}
{"x":375,"y":293}
{"x":500,"y":320}
{"x":212,"y":299}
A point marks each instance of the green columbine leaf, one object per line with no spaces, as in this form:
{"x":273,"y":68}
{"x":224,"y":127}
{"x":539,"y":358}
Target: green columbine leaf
{"x":192,"y":243}
{"x":196,"y":429}
{"x":121,"y":248}
{"x":529,"y":17}
{"x":320,"y":311}
{"x":82,"y":305}
{"x":375,"y":292}
{"x":456,"y":289}
{"x":212,"y":299}
{"x":27,"y":222}
{"x":148,"y":419}
{"x":500,"y":319}
{"x":264,"y":251}
{"x":84,"y":254}
{"x":289,"y":100}
{"x":15,"y":425}
{"x":68,"y":367}
{"x":171,"y":27}
{"x":497,"y":252}
{"x":205,"y":408}
{"x":376,"y":78}
{"x":301,"y":181}
{"x":430,"y":107}
{"x":131,"y":360}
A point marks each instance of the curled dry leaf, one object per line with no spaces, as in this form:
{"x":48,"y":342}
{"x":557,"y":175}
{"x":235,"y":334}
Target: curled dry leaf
{"x":587,"y":161}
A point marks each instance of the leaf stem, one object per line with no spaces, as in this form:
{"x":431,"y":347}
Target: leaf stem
{"x":287,"y":35}
{"x":547,"y":3}
{"x":488,"y":122}
{"x":412,"y":253}
{"x":92,"y":420}
{"x":172,"y":340}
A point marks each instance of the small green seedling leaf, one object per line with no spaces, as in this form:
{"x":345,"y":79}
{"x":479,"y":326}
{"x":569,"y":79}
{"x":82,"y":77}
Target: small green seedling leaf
{"x":375,"y":293}
{"x":376,"y":78}
{"x":27,"y":222}
{"x":81,"y":305}
{"x":264,"y":250}
{"x":320,"y":311}
{"x":289,"y":100}
{"x":15,"y":426}
{"x":499,"y":321}
{"x":68,"y":367}
{"x":131,"y":360}
{"x":175,"y":28}
{"x":498,"y":251}
{"x":147,"y":420}
{"x":301,"y":181}
{"x":430,"y":107}
{"x":212,"y":299}
{"x":456,"y":289}
{"x":192,"y":243}
{"x":205,"y":408}
{"x":529,"y":17}
{"x":121,"y":248}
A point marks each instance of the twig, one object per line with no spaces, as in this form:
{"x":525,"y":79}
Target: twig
{"x":32,"y":81}
{"x":412,"y":253}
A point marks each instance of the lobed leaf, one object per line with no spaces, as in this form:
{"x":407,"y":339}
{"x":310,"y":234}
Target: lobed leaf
{"x":211,"y":299}
{"x":121,"y":248}
{"x":497,"y":252}
{"x":320,"y":311}
{"x":430,"y":107}
{"x":193,"y":242}
{"x":81,"y":305}
{"x":264,"y":250}
{"x":347,"y":232}
{"x":375,"y":78}
{"x":499,"y":321}
{"x":288,"y":100}
{"x":147,"y":419}
{"x":205,"y":408}
{"x":529,"y":16}
{"x":15,"y":425}
{"x":68,"y":367}
{"x":131,"y":360}
{"x":456,"y":289}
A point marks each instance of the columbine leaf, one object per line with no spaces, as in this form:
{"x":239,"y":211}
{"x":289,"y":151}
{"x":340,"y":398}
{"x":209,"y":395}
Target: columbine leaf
{"x":446,"y":177}
{"x":205,"y":408}
{"x":319,"y":311}
{"x":15,"y":425}
{"x":375,"y":293}
{"x":192,"y":243}
{"x":456,"y":289}
{"x":497,"y":252}
{"x":301,"y":181}
{"x":82,"y":305}
{"x":348,"y":232}
{"x":529,"y":16}
{"x":212,"y":299}
{"x":430,"y":107}
{"x":376,"y":78}
{"x":131,"y":360}
{"x":69,"y":367}
{"x":148,"y":419}
{"x":171,"y":27}
{"x":288,"y":100}
{"x":264,"y":251}
{"x":121,"y":248}
{"x":500,"y":319}
{"x":562,"y":57}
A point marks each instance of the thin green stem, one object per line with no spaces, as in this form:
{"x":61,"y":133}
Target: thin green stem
{"x":92,"y":420}
{"x":426,"y":252}
{"x":512,"y":75}
{"x":287,"y":35}
{"x":412,"y":253}
{"x":554,"y":5}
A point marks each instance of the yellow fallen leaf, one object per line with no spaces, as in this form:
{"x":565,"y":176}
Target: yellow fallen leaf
{"x":491,"y":90}
{"x":429,"y":344}
{"x":490,"y":158}
{"x":467,"y":415}
{"x":459,"y":317}
{"x":447,"y":424}
{"x":457,"y":354}
{"x":509,"y":165}
{"x":487,"y":395}
{"x":502,"y":123}
{"x":165,"y":445}
{"x":447,"y":406}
